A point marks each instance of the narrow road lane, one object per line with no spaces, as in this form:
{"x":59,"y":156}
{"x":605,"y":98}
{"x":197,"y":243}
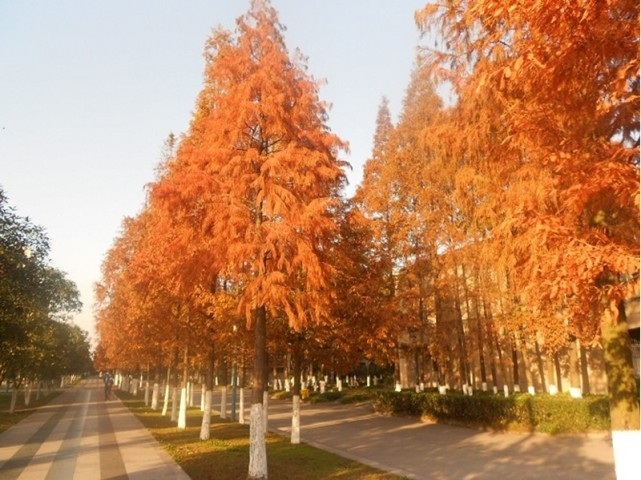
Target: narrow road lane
{"x":82,"y":436}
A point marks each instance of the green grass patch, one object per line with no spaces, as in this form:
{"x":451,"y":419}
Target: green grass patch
{"x":22,"y":411}
{"x":226,"y":455}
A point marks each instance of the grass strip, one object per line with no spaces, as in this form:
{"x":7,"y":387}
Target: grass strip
{"x":226,"y":455}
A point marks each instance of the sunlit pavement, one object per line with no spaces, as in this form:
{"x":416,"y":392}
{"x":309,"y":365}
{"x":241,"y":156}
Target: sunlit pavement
{"x":419,"y":450}
{"x":82,"y":436}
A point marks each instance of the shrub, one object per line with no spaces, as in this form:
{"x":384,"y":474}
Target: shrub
{"x":328,"y":396}
{"x":543,"y":413}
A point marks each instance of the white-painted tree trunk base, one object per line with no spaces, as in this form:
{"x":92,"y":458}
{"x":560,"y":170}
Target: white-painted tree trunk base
{"x":182,"y":413}
{"x":626,"y":445}
{"x":575,"y":392}
{"x":223,"y":402}
{"x":295,"y":436}
{"x":257,"y":450}
{"x":14,"y":400}
{"x":203,"y":390}
{"x":174,"y":404}
{"x":154,"y":397}
{"x":205,"y":425}
{"x":265,"y":411}
{"x":147,"y":394}
{"x":241,"y":407}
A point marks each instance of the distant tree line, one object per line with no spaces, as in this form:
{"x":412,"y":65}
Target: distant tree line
{"x":37,"y":339}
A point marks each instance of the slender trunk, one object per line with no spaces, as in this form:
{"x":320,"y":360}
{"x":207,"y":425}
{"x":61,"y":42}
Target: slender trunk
{"x":295,"y":434}
{"x":207,"y":393}
{"x":490,"y":347}
{"x":241,"y":392}
{"x":14,"y":399}
{"x":623,"y":391}
{"x":182,"y":414}
{"x":241,"y":405}
{"x":540,"y":365}
{"x":573,"y":357}
{"x":557,"y":371}
{"x":585,"y":375}
{"x":223,"y":401}
{"x":166,"y":396}
{"x":499,"y":351}
{"x":257,"y":448}
{"x":515,"y":367}
{"x":479,"y":341}
{"x":147,"y":386}
{"x":465,"y":368}
{"x":27,"y":394}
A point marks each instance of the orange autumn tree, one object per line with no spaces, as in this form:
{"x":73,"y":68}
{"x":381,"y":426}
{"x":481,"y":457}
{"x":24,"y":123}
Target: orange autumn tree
{"x":405,"y":196}
{"x":262,"y":165}
{"x":548,"y":111}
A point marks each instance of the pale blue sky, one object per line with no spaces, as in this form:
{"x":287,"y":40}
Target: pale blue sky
{"x":89,"y":91}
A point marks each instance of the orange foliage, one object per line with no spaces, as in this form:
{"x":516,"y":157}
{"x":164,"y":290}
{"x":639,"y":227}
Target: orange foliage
{"x":546,"y":129}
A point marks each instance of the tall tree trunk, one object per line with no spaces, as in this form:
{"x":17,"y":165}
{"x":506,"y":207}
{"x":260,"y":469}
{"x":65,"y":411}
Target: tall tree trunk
{"x":209,"y":386}
{"x":573,"y":356}
{"x":585,"y":376}
{"x":499,"y":351}
{"x":540,"y":365}
{"x":147,"y":385}
{"x":156,"y":391}
{"x":557,"y":371}
{"x":487,"y":314}
{"x":515,"y":366}
{"x":167,"y":391}
{"x":182,"y":414}
{"x":257,"y":449}
{"x":174,"y":388}
{"x":223,"y":392}
{"x":14,"y":399}
{"x":296,"y":360}
{"x":241,"y":395}
{"x":465,"y":367}
{"x":623,"y":392}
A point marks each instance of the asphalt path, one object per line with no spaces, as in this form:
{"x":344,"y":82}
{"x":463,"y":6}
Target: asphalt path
{"x":419,"y":450}
{"x":82,"y":436}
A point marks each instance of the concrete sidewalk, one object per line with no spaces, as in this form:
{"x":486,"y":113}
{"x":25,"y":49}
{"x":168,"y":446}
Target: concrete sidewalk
{"x":419,"y":450}
{"x":82,"y":436}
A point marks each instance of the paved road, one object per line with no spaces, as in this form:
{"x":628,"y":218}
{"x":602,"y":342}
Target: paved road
{"x":81,"y":436}
{"x":439,"y":452}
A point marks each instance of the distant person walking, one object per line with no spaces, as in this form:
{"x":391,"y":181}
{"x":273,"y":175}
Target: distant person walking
{"x":109,"y":381}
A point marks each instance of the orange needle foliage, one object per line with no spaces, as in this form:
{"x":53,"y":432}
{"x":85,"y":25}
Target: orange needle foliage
{"x":547,"y":126}
{"x":258,"y":174}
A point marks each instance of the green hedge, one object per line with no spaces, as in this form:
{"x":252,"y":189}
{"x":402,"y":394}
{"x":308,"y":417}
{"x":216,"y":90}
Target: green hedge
{"x":542,"y":413}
